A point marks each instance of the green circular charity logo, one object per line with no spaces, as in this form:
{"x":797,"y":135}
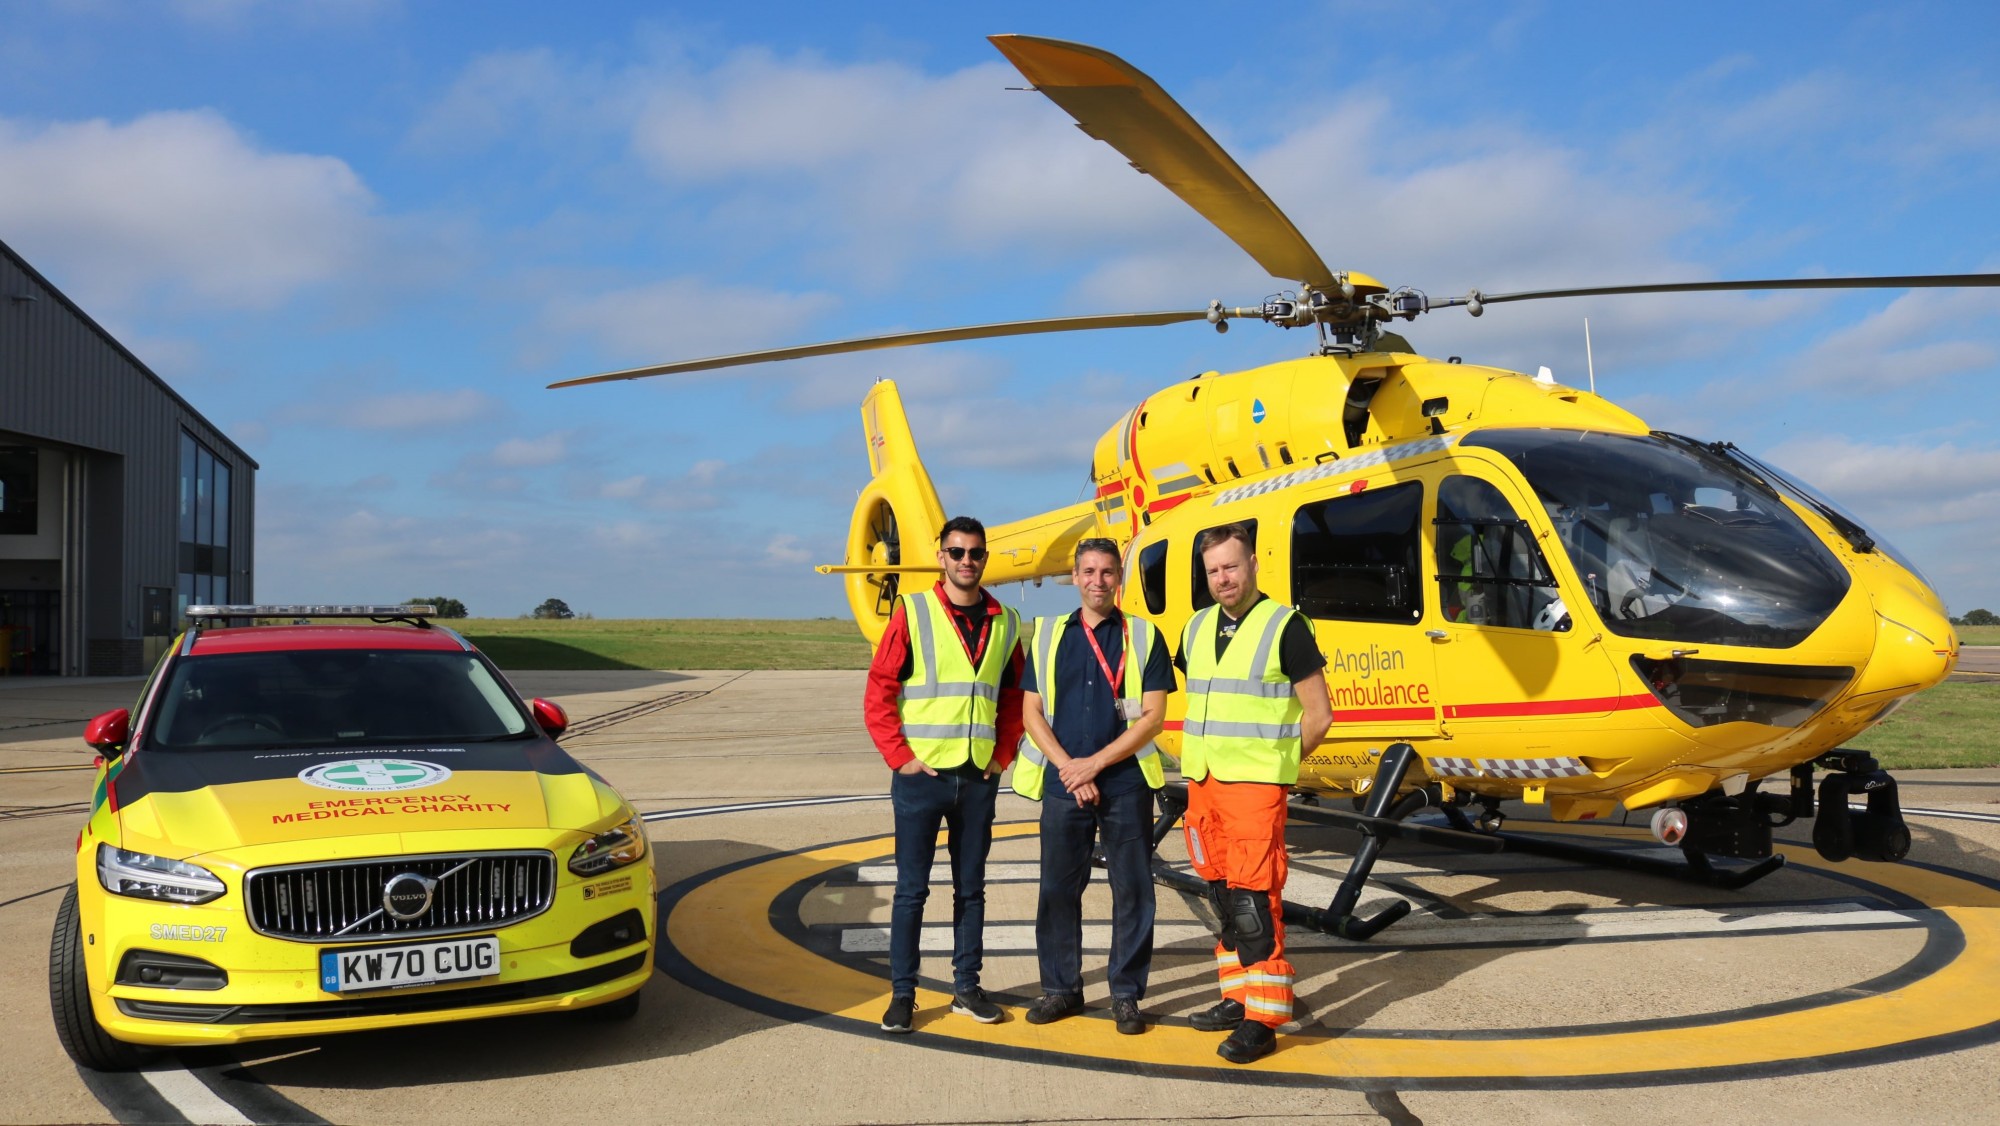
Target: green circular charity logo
{"x":374,"y":774}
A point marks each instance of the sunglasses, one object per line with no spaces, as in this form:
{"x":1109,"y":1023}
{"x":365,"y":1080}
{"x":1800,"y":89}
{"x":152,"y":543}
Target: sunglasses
{"x":975,"y":554}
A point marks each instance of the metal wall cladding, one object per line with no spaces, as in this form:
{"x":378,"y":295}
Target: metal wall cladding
{"x":65,"y":381}
{"x":343,"y":901}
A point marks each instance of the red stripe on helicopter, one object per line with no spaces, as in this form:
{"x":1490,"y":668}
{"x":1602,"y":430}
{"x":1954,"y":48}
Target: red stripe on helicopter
{"x":1382,"y":715}
{"x":1113,"y":489}
{"x":1551,"y":707}
{"x":1170,"y":502}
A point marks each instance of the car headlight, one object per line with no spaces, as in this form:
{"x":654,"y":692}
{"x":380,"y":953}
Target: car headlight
{"x":614,"y":848}
{"x":155,"y":877}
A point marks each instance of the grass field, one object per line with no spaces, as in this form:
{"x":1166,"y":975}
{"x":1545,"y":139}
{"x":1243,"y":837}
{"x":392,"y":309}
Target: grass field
{"x":1954,"y":724}
{"x":678,"y":643}
{"x":1979,"y":635}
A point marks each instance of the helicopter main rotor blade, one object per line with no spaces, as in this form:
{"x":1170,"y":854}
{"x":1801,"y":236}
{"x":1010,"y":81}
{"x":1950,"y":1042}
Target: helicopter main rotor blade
{"x":1906,"y":281}
{"x":1114,"y":102}
{"x":905,"y":339}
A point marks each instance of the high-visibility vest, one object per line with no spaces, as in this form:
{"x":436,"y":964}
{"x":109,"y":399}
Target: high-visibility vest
{"x":1242,"y":720}
{"x":950,"y":710}
{"x":1030,"y":766}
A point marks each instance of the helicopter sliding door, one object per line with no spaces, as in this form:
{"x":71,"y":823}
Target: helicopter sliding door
{"x":1512,"y":670}
{"x":1357,"y":571}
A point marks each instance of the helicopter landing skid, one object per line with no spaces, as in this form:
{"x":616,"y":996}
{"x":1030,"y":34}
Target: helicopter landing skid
{"x":1382,"y":819}
{"x":1697,"y":868}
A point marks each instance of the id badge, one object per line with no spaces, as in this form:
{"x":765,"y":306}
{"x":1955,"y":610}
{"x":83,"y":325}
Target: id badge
{"x":1129,"y":710}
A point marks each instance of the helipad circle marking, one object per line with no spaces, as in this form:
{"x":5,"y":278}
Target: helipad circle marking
{"x":719,"y":938}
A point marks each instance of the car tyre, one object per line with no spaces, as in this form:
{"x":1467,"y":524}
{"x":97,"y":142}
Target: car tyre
{"x":69,"y":999}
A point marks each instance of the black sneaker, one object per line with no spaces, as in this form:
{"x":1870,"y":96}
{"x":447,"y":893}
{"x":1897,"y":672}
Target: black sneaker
{"x":1251,"y":1041}
{"x":1126,"y":1012}
{"x":1053,"y":1007}
{"x":897,"y":1019}
{"x":973,"y":1003}
{"x":1223,"y":1016}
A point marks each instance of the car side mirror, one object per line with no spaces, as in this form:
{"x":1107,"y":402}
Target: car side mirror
{"x":108,"y":732}
{"x":550,"y":717}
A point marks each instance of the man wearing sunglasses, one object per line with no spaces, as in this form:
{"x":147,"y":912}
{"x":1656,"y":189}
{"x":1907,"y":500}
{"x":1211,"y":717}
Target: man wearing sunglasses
{"x":1095,"y":694}
{"x":943,"y":704}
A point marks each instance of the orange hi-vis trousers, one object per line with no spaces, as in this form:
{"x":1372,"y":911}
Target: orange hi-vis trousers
{"x":1236,"y":834}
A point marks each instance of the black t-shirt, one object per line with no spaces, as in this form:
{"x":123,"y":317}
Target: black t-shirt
{"x":1298,"y":649}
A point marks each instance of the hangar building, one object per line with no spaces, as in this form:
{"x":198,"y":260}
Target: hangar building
{"x":119,"y":503}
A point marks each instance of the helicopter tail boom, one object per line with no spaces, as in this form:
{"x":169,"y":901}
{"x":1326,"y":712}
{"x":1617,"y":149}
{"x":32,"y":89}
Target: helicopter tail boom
{"x":898,"y":506}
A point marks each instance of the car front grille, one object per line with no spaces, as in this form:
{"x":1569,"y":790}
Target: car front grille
{"x":343,"y":899}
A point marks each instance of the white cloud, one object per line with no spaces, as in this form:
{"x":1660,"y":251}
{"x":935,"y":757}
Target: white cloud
{"x":785,"y":549}
{"x":685,"y":318}
{"x":418,"y":410}
{"x":181,"y":202}
{"x":531,"y":453}
{"x":1900,"y":346}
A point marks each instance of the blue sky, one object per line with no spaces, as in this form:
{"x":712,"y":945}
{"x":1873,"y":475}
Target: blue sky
{"x":362,"y":237}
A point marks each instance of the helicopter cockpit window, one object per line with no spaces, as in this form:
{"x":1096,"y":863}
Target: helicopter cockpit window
{"x":1200,"y":595}
{"x":1675,"y":544}
{"x":1355,"y":557}
{"x":1490,"y":573}
{"x":1151,"y":563}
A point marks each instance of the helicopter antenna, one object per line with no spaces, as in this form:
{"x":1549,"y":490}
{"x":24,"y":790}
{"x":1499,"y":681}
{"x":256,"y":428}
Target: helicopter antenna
{"x":1588,"y":361}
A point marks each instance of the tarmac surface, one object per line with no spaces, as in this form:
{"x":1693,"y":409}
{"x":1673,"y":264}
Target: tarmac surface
{"x":1519,"y":990}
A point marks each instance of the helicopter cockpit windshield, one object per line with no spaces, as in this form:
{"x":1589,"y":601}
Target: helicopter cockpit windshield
{"x":1673,"y":543}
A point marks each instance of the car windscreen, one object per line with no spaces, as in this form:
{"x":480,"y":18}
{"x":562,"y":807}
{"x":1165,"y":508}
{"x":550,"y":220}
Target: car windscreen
{"x":329,"y":697}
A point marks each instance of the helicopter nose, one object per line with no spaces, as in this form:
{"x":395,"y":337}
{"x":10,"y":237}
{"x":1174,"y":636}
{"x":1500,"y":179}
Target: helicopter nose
{"x":1915,"y":646}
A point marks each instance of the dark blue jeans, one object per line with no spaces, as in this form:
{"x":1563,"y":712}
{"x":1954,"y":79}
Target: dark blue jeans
{"x":962,"y":801}
{"x":1122,"y":823}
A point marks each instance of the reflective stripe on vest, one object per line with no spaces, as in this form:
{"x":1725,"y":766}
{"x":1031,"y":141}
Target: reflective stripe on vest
{"x":1243,"y":720}
{"x":1029,"y":767}
{"x":950,"y":710}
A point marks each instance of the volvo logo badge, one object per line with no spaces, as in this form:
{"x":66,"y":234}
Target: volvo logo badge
{"x":407,"y":896}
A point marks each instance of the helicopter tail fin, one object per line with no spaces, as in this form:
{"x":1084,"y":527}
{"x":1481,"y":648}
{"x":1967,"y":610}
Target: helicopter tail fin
{"x":897,"y":518}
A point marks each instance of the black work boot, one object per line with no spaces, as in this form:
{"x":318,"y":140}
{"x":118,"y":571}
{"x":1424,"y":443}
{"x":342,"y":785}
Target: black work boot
{"x":1220,"y":1017}
{"x":1252,"y":1040}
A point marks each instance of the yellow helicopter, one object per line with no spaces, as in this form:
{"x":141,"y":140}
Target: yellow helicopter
{"x":1522,"y":591}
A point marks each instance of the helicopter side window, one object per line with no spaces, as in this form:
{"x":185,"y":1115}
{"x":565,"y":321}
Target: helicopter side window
{"x":1355,"y":557}
{"x":1200,"y":596}
{"x":1489,"y":571}
{"x":1151,"y":564}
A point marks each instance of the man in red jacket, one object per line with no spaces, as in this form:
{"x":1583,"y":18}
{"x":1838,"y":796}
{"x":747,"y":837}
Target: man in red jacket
{"x":943,"y":704}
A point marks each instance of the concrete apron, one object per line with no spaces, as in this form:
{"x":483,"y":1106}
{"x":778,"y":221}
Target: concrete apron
{"x":1520,"y":989}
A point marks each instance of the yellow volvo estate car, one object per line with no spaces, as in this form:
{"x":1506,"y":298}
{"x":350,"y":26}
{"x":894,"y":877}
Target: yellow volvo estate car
{"x":321,"y":828}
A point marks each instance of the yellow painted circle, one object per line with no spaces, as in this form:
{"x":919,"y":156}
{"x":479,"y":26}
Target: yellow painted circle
{"x":720,"y":939}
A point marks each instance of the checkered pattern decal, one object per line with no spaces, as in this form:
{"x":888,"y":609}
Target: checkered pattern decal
{"x":1506,"y":767}
{"x":1338,"y":466}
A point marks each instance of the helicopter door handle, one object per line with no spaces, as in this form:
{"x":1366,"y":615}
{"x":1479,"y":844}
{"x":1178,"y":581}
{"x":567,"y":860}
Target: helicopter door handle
{"x":1437,"y":635}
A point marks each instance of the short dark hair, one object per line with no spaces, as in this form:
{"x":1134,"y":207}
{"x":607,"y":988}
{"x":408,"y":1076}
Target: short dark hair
{"x":965,"y":525}
{"x":1216,"y":537}
{"x":1097,"y":544}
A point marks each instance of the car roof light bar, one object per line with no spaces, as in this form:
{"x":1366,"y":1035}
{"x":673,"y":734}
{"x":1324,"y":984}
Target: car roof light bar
{"x":335,"y":610}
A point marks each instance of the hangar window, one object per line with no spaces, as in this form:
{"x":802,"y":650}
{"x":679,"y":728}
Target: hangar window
{"x":20,"y":482}
{"x":1200,"y":595}
{"x":204,"y":526}
{"x":1356,"y":557}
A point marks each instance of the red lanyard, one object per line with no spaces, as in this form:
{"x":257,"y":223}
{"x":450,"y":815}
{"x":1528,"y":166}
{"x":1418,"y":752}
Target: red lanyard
{"x":1117,"y":679}
{"x":978,"y":650}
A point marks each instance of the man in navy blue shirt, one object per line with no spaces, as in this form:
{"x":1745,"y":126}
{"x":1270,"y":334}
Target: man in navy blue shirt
{"x":1095,"y":694}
